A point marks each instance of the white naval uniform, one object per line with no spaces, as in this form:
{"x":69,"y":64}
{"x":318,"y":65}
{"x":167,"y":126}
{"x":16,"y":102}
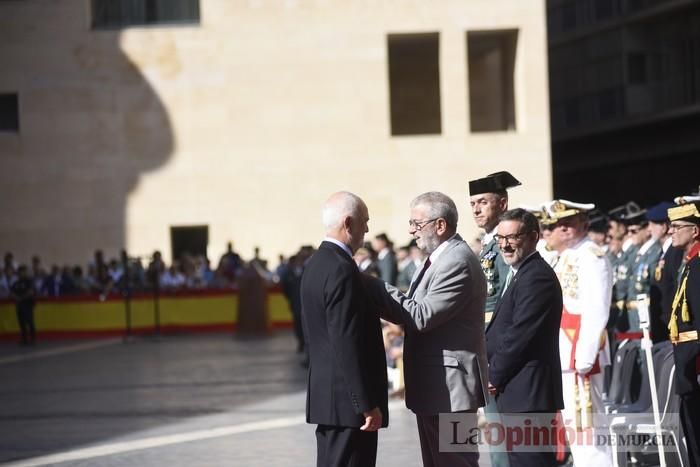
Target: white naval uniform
{"x":550,"y":256}
{"x":585,"y":275}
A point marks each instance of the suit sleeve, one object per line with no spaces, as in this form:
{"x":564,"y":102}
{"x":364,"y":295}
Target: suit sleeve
{"x":388,"y":309}
{"x":447,"y":296}
{"x":534,"y":301}
{"x":345,"y":323}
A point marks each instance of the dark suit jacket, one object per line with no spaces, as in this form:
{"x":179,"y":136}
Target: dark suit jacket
{"x":686,"y":354}
{"x":388,"y":269}
{"x":522,"y":341}
{"x":347,"y":367}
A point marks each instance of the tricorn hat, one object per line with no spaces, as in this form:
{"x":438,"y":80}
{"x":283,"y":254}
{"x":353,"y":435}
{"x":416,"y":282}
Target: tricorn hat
{"x":493,"y":183}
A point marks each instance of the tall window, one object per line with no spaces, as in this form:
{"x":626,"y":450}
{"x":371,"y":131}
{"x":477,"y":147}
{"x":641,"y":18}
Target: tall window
{"x":414,"y":83}
{"x":491,"y":57}
{"x":9,"y":113}
{"x":108,"y":14}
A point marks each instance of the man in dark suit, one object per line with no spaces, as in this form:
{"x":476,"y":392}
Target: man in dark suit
{"x":522,"y":339}
{"x":347,"y":382}
{"x":445,"y":367}
{"x":386,"y":259}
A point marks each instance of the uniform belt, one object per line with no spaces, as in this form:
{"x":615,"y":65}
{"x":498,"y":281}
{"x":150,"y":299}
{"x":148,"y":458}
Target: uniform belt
{"x":632,"y":305}
{"x":687,"y":336}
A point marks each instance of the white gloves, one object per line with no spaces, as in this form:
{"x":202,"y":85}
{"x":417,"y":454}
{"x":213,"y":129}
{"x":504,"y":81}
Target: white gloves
{"x":583,"y":368}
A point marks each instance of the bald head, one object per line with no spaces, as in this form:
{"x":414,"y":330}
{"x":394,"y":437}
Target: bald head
{"x":345,"y":218}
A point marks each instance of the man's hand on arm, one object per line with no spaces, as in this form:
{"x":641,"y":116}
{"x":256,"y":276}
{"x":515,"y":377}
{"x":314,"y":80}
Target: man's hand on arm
{"x":373,"y":420}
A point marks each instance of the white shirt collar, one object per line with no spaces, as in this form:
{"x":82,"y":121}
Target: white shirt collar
{"x":626,"y":244}
{"x":435,"y":254}
{"x":667,"y":244}
{"x":488,"y":236}
{"x":383,"y":253}
{"x":646,"y":246}
{"x":340,"y":244}
{"x":367,"y":262}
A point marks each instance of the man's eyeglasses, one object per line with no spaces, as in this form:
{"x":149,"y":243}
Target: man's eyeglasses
{"x":509,"y":239}
{"x":418,"y":225}
{"x":680,"y":226}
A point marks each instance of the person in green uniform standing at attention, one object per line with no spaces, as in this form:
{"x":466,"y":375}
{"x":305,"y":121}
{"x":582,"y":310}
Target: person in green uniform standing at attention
{"x":488,"y":198}
{"x":637,"y":235}
{"x":646,"y":260}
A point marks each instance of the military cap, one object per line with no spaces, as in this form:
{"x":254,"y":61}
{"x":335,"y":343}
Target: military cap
{"x":537,"y":212}
{"x":687,"y":199}
{"x":659,"y":212}
{"x":540,"y":213}
{"x":689,"y":212}
{"x":493,"y":183}
{"x":637,"y":218}
{"x":598,"y":221}
{"x":627,"y":210}
{"x":383,"y":237}
{"x":561,"y":208}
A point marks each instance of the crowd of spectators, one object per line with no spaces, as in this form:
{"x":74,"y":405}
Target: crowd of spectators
{"x":102,"y":276}
{"x":131,"y":275}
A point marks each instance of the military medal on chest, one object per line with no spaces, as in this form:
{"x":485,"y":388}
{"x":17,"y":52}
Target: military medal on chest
{"x":488,"y":263}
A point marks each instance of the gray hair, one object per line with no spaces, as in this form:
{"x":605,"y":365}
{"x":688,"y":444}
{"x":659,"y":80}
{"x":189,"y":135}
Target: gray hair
{"x":438,"y":205}
{"x":339,"y":206}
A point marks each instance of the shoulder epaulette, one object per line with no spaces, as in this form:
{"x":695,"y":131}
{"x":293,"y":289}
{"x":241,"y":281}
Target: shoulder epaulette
{"x":596,"y":250}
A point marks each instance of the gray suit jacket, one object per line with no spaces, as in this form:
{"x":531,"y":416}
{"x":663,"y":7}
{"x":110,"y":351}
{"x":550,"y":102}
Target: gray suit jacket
{"x":445,"y":365}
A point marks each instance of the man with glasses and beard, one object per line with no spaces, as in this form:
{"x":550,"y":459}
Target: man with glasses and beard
{"x":585,"y":276}
{"x":488,"y":198}
{"x":443,"y":316}
{"x":522,"y":339}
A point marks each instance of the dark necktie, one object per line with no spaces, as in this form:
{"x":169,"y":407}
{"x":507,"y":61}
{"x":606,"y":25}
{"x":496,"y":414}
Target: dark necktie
{"x":426,"y":265}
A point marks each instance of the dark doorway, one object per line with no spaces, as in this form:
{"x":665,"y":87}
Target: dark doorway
{"x":192,"y":240}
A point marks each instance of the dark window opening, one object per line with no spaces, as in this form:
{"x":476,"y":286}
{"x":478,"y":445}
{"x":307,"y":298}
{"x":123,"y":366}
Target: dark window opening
{"x":109,"y":14}
{"x":191,"y":240}
{"x":414,"y":84}
{"x":605,"y":9}
{"x":571,"y":113}
{"x":491,"y":58}
{"x":637,"y":68}
{"x":9,"y":113}
{"x":609,"y":104}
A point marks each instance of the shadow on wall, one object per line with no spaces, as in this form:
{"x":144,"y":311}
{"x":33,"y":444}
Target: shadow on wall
{"x":90,"y":126}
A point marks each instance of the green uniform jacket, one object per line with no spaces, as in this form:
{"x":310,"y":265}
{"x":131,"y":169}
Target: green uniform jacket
{"x":624,"y":272}
{"x":642,"y":272}
{"x":495,"y":270}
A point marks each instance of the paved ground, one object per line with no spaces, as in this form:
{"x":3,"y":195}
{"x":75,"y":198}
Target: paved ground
{"x":178,"y":401}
